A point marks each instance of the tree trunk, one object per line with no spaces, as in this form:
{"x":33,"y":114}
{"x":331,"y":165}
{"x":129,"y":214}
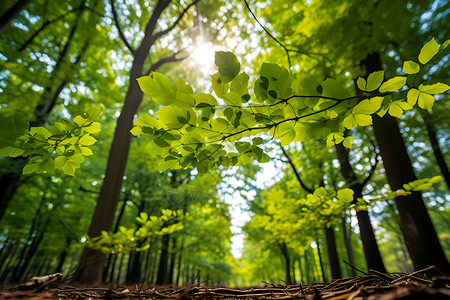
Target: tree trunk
{"x":420,"y":236}
{"x":332,"y":253}
{"x":162,"y":277}
{"x":368,"y":239}
{"x":172,"y":260}
{"x":180,"y":259}
{"x":287,"y":262}
{"x":320,"y":261}
{"x":9,"y":15}
{"x":63,"y":255}
{"x":348,"y":245}
{"x":431,"y":130}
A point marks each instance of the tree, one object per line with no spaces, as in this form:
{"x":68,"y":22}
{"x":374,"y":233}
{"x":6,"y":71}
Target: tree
{"x":91,"y":262}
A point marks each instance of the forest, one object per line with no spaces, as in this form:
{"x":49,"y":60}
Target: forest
{"x":227,"y":142}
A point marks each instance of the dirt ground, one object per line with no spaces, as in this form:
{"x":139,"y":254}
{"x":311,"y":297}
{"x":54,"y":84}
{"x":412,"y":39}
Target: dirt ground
{"x":425,"y":284}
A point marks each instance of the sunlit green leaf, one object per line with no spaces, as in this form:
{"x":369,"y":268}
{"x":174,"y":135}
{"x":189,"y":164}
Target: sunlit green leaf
{"x":411,"y":67}
{"x":428,"y":51}
{"x":437,"y":88}
{"x":228,"y":65}
{"x":393,"y":84}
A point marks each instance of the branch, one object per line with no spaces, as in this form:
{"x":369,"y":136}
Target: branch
{"x":31,"y":38}
{"x":161,"y":33}
{"x":165,"y":60}
{"x":269,"y":34}
{"x":119,"y":29}
{"x":296,"y":172}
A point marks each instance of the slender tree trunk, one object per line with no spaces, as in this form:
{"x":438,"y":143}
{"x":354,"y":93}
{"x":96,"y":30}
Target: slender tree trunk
{"x":348,"y":245}
{"x":21,"y":268}
{"x":119,"y":271}
{"x":287,"y":262}
{"x":63,"y":255}
{"x":180,"y":259}
{"x":431,"y":130}
{"x":9,"y":15}
{"x":294,"y":280}
{"x":162,"y":277}
{"x":332,"y":253}
{"x":368,"y":239}
{"x":173,"y":252}
{"x":320,"y":261}
{"x":307,"y":267}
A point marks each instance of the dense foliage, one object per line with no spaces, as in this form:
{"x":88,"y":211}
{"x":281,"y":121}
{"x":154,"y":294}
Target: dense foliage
{"x":123,"y":161}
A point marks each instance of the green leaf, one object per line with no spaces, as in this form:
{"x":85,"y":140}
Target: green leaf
{"x":411,"y":67}
{"x":161,"y":142}
{"x":412,"y":96}
{"x":158,"y":87}
{"x":79,"y":120}
{"x":345,"y":195}
{"x":426,"y":101}
{"x":396,"y":108}
{"x":437,"y":88}
{"x":69,"y":168}
{"x":358,"y":119}
{"x":374,"y":80}
{"x":428,"y":51}
{"x":228,"y":65}
{"x":29,"y":168}
{"x":334,"y":138}
{"x":205,"y":99}
{"x":40,"y":131}
{"x":361,"y":83}
{"x":393,"y":84}
{"x":78,"y":157}
{"x":368,"y":106}
{"x":282,"y":129}
{"x":239,"y":85}
{"x":60,"y":161}
{"x":219,"y":86}
{"x":348,"y":142}
{"x":48,"y":165}
{"x":270,"y":71}
{"x":93,"y":128}
{"x":86,"y":151}
{"x":87,"y":140}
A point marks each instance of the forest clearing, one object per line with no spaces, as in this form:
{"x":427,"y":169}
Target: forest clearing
{"x":228,"y":149}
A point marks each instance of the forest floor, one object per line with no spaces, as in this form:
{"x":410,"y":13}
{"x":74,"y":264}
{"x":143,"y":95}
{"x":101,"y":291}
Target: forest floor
{"x":425,"y":284}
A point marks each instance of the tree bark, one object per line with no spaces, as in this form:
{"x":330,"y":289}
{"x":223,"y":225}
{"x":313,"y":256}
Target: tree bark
{"x":320,"y":261}
{"x":9,"y":15}
{"x":287,"y":262}
{"x":348,"y":245}
{"x":431,"y":130}
{"x":162,"y":277}
{"x":420,"y":236}
{"x":368,"y":239}
{"x":332,"y":253}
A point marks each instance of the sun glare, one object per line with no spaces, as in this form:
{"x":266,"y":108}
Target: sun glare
{"x":203,"y":57}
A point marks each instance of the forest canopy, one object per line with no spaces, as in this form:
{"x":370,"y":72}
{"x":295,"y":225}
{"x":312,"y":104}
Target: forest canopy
{"x":230,"y":142}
